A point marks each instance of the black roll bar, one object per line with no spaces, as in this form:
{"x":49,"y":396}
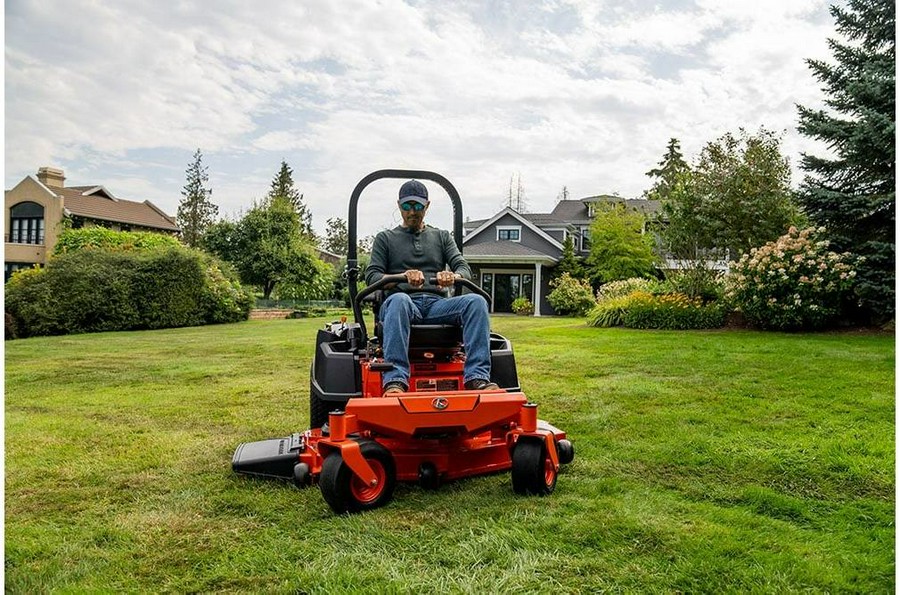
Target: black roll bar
{"x":352,"y":253}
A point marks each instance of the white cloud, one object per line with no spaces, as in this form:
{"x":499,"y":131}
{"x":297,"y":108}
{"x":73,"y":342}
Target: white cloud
{"x":578,"y":93}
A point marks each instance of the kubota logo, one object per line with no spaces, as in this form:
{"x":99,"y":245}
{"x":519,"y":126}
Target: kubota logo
{"x":440,"y":403}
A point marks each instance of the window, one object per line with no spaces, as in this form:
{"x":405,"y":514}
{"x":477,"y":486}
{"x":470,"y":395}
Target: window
{"x":509,"y":234}
{"x":26,"y":223}
{"x":585,"y":239}
{"x":12,"y":267}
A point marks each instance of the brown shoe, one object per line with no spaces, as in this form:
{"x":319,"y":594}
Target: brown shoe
{"x":481,"y":384}
{"x":394,"y":387}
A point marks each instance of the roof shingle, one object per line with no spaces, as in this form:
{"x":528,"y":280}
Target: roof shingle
{"x":118,"y":210}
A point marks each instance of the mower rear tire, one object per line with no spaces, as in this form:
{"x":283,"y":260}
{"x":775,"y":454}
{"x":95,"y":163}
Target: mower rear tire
{"x":345,"y":492}
{"x":532,"y":468}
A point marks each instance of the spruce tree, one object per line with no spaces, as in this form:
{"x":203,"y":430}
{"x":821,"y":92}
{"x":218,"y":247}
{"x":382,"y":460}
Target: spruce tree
{"x":670,"y":169}
{"x":196,"y":211}
{"x":283,"y":187}
{"x":852,"y":192}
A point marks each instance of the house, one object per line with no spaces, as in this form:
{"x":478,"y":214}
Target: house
{"x":37,"y":206}
{"x":513,"y":254}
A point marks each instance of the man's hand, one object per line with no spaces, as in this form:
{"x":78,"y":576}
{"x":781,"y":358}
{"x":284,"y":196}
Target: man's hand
{"x":446,"y":278}
{"x":415,"y":277}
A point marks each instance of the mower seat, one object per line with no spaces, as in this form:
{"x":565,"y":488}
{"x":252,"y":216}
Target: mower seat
{"x":435,"y":336}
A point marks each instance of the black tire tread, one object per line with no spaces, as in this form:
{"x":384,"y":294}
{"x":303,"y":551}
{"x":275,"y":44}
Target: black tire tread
{"x":528,"y":460}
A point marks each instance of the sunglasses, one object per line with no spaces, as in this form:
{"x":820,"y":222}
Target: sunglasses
{"x":412,"y":206}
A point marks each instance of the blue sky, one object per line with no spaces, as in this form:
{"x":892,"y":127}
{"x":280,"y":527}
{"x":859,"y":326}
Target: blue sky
{"x":577,"y":93}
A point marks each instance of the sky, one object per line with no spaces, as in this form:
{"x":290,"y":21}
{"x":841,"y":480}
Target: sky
{"x":577,"y":93}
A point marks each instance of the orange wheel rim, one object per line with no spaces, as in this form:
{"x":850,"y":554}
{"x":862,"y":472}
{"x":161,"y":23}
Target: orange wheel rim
{"x":549,"y":472}
{"x":365,"y":493}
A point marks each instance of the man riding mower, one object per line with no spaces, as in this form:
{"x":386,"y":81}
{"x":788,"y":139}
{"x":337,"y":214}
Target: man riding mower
{"x":431,"y":396}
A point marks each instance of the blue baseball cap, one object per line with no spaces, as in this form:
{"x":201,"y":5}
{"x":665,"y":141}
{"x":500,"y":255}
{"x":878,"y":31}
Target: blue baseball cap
{"x":414,"y":191}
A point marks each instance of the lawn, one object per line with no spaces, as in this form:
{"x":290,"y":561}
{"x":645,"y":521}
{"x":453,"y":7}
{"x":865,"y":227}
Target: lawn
{"x":706,"y":461}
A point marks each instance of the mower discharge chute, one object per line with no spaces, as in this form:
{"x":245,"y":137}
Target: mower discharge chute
{"x":362,"y":442}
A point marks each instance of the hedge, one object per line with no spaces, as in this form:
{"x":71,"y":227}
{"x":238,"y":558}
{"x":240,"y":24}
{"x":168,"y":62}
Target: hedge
{"x":102,"y":290}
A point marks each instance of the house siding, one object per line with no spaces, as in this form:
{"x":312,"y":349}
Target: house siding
{"x":528,"y":238}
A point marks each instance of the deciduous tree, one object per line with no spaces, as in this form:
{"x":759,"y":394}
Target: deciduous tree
{"x":266,"y":246}
{"x":619,"y":248}
{"x":736,"y":197}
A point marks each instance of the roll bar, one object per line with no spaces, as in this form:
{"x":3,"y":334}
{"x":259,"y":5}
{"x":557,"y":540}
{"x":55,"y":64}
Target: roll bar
{"x":352,"y":253}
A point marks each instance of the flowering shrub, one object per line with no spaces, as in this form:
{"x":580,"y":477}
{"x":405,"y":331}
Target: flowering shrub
{"x":522,"y":306}
{"x":792,"y":283}
{"x":671,"y":311}
{"x":641,"y":309}
{"x":571,"y":295}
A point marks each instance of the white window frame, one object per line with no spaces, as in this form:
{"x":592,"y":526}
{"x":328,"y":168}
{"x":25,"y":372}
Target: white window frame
{"x":500,"y":228}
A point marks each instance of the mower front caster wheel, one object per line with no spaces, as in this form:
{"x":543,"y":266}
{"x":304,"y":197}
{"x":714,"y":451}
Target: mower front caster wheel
{"x":532,"y":468}
{"x":345,"y":492}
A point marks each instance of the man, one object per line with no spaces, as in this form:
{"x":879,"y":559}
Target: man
{"x":422,"y":252}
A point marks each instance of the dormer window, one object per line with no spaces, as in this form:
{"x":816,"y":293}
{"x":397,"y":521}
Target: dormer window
{"x":590,"y":208}
{"x":509,"y":233}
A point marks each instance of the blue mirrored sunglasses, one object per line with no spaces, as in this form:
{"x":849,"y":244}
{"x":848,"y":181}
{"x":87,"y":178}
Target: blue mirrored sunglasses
{"x":412,"y":206}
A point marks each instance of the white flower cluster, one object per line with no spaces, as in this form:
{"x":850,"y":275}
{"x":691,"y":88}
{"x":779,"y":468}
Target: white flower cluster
{"x":791,"y":283}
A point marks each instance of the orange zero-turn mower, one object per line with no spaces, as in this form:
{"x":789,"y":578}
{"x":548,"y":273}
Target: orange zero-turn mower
{"x":362,"y":442}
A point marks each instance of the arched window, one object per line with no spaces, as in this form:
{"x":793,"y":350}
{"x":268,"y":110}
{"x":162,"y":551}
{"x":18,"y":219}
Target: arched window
{"x":26,"y":225}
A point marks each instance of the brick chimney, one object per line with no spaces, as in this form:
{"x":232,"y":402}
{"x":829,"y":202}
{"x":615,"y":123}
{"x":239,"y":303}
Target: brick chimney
{"x":51,"y":177}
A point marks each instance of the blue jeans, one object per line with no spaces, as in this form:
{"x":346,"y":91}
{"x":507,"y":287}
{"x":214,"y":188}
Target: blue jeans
{"x":470,"y":311}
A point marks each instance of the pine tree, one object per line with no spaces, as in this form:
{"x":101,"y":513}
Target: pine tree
{"x":283,"y":187}
{"x":670,"y":170}
{"x":852,"y":194}
{"x":196,"y":211}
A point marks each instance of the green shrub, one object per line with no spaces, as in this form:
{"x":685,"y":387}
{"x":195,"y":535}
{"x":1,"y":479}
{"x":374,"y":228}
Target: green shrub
{"x":101,"y":238}
{"x":696,"y":282}
{"x":609,"y":312}
{"x":100,"y":290}
{"x":223,"y":299}
{"x":80,"y":292}
{"x":792,"y":283}
{"x":523,"y":306}
{"x":570,"y":296}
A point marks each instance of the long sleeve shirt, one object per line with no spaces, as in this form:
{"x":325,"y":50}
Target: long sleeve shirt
{"x":429,"y":250}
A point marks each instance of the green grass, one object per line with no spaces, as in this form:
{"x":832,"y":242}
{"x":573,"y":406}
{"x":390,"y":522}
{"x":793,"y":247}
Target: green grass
{"x":706,"y":462}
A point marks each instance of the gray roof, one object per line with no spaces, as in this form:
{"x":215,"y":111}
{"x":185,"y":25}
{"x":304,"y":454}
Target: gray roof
{"x":502,"y":248}
{"x":573,"y":211}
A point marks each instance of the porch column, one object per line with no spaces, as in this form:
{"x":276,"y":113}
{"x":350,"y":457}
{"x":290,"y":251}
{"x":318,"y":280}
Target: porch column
{"x":537,"y":288}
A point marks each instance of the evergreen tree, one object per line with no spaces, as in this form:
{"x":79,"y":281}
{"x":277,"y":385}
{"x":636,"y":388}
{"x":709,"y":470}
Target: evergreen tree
{"x":852,"y":194}
{"x":670,"y":170}
{"x":196,"y":211}
{"x":569,"y":262}
{"x":283,"y":187}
